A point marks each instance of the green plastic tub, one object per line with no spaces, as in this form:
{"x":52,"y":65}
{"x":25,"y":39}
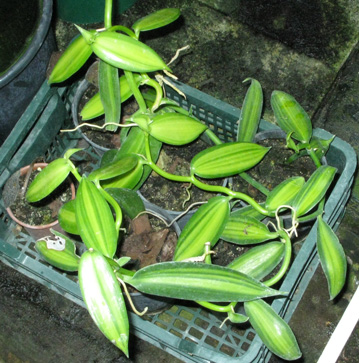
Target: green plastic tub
{"x":188,"y":332}
{"x":88,"y":11}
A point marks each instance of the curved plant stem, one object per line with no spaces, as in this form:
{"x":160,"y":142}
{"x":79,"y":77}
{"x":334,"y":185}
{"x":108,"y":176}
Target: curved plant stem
{"x":218,"y":308}
{"x":286,"y":260}
{"x":114,"y":205}
{"x":231,"y":193}
{"x":123,"y":29}
{"x":159,"y":92}
{"x":130,"y":300}
{"x":76,"y":174}
{"x":314,"y":157}
{"x":178,"y":178}
{"x":201,"y":185}
{"x":135,"y":90}
{"x":74,"y":171}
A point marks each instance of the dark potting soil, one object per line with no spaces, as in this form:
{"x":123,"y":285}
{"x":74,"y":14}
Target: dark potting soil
{"x":272,"y":170}
{"x":44,"y":211}
{"x":172,"y":195}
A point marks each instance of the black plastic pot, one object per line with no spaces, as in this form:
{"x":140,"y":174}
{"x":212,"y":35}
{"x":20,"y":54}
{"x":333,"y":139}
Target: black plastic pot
{"x":80,"y":91}
{"x":21,"y":81}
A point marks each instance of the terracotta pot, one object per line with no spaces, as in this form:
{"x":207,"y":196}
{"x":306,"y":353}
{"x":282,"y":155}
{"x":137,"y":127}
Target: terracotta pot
{"x":40,"y":231}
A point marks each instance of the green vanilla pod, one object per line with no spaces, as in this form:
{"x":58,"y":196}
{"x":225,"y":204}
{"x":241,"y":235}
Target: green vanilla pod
{"x":48,"y":180}
{"x":291,"y":117}
{"x":103,"y":297}
{"x":332,"y":258}
{"x":199,"y":282}
{"x":67,"y":217}
{"x":58,"y":251}
{"x":124,"y":52}
{"x":156,"y":20}
{"x":313,"y":190}
{"x":94,"y":219}
{"x":259,"y":261}
{"x":135,"y":144}
{"x":246,"y":231}
{"x":128,"y":180}
{"x":73,"y":58}
{"x":284,"y":193}
{"x":251,"y":112}
{"x":228,"y":159}
{"x":274,"y":332}
{"x":175,"y":129}
{"x":114,"y":169}
{"x":206,"y":225}
{"x":247,"y":211}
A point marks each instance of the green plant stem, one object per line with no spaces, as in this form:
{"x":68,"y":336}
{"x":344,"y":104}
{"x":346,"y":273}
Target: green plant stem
{"x":286,"y":260}
{"x":207,"y":250}
{"x":123,"y":29}
{"x":209,"y":188}
{"x":74,"y":171}
{"x":114,"y":205}
{"x":254,"y":183}
{"x":135,"y":90}
{"x":125,"y":272}
{"x":218,"y":308}
{"x":314,"y":157}
{"x":231,"y":193}
{"x":213,"y":137}
{"x":108,"y":14}
{"x":159,"y":92}
{"x":178,"y":178}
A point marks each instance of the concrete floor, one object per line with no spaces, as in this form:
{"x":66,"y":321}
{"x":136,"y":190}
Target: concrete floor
{"x":309,"y":51}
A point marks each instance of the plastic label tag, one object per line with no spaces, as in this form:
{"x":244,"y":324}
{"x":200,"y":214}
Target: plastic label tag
{"x":55,"y":243}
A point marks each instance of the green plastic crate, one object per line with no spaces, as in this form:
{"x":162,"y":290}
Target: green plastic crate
{"x":188,"y":332}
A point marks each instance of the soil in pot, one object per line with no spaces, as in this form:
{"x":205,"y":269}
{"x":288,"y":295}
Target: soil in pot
{"x":175,"y":196}
{"x":40,"y":213}
{"x":272,"y":170}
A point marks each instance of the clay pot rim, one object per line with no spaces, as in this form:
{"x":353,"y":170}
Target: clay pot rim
{"x":24,"y":170}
